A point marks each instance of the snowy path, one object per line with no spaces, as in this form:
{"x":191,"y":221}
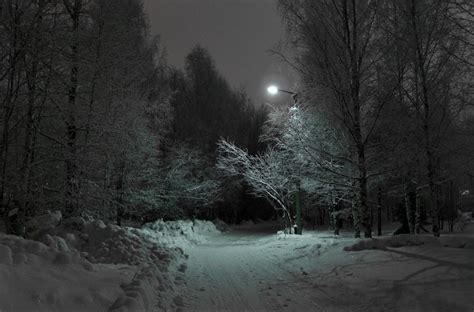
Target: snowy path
{"x":237,"y":272}
{"x":251,"y":271}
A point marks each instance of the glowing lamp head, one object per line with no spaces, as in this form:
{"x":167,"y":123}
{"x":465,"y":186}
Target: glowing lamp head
{"x":272,"y":90}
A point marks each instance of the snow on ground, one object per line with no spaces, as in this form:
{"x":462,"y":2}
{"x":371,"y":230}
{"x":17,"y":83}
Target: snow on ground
{"x":79,"y":265}
{"x":253,"y":268}
{"x":35,"y":277}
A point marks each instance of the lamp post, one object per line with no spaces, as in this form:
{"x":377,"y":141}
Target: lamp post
{"x":273,"y":90}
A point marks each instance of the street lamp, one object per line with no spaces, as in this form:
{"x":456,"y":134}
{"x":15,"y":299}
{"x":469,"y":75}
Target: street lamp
{"x":273,"y":90}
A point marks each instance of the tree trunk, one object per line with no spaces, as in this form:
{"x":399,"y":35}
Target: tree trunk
{"x":410,"y":204}
{"x":356,"y":216}
{"x":362,"y":201}
{"x":379,"y":212}
{"x":71,"y":127}
{"x":8,"y":103}
{"x":299,"y":222}
{"x":451,"y":206}
{"x":418,"y":220}
{"x":421,"y":78}
{"x":363,"y":206}
{"x":30,"y":129}
{"x":25,"y":172}
{"x":371,"y":216}
{"x":334,"y":217}
{"x":388,"y":213}
{"x":323,"y":217}
{"x":119,"y":189}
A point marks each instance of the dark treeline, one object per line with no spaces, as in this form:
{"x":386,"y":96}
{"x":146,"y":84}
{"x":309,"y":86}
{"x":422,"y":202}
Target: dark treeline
{"x":94,"y":121}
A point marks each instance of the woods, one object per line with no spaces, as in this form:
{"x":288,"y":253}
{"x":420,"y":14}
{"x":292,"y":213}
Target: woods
{"x":94,"y":120}
{"x":280,"y":155}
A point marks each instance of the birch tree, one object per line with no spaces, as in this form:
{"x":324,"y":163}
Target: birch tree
{"x":338,"y":51}
{"x":432,"y":53}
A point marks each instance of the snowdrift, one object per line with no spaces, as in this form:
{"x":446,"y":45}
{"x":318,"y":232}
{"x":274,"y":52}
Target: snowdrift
{"x":35,"y":277}
{"x":178,"y":233}
{"x":85,"y":265}
{"x":457,"y":241}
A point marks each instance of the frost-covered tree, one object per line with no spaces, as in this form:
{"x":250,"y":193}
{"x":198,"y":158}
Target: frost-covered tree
{"x":305,"y":153}
{"x":338,"y":48}
{"x":172,"y":188}
{"x":189,"y":183}
{"x":311,"y":141}
{"x":325,"y":170}
{"x":80,"y":85}
{"x":271,"y":175}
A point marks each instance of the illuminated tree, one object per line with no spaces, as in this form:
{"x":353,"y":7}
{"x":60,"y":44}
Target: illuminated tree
{"x":339,"y":50}
{"x":325,"y":171}
{"x":270,"y":175}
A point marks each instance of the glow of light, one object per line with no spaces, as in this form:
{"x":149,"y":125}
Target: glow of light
{"x":272,"y":90}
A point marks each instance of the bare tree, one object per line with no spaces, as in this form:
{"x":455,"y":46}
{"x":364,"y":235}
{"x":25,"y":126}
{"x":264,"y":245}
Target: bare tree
{"x":431,"y":66}
{"x":270,"y":175}
{"x":338,"y":52}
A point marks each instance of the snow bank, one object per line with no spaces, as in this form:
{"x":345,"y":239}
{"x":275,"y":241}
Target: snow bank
{"x":102,"y":243}
{"x":35,"y":277}
{"x":153,"y":281}
{"x":454,"y":241}
{"x":156,"y":263}
{"x":85,"y":265}
{"x":149,"y":290}
{"x":178,"y":233}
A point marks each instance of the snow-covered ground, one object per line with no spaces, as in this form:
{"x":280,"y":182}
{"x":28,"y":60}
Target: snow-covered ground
{"x":79,"y":265}
{"x":248,"y":269}
{"x":191,"y":266}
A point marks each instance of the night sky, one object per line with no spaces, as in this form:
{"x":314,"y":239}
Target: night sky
{"x":238,"y":34}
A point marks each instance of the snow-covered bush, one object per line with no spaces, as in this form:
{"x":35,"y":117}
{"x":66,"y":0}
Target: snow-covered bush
{"x":403,"y":240}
